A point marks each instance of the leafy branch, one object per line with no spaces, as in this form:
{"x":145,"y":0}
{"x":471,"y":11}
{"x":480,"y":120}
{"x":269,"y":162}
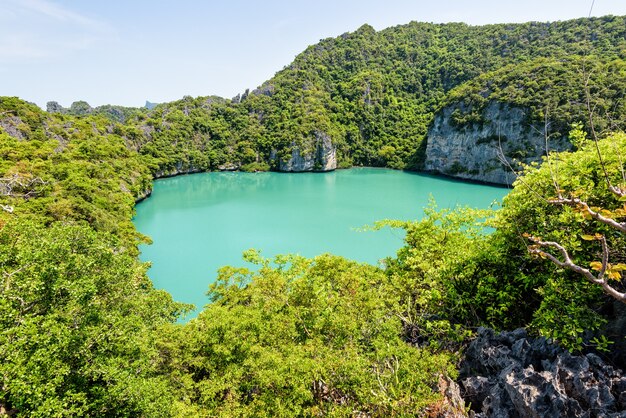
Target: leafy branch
{"x":605,"y":270}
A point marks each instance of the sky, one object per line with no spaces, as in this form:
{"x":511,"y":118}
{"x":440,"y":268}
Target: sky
{"x":125,"y":52}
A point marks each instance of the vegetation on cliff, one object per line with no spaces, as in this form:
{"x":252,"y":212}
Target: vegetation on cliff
{"x":552,"y":91}
{"x":375,"y":94}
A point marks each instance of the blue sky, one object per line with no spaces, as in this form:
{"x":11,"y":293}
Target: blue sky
{"x":128,"y":51}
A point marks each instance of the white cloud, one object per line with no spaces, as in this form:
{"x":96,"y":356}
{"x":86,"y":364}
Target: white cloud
{"x":54,"y":11}
{"x":35,"y":30}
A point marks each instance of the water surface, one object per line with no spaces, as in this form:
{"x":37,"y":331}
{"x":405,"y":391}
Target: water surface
{"x":201,"y":222}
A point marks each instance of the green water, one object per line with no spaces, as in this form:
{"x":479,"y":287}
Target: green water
{"x":203,"y":221}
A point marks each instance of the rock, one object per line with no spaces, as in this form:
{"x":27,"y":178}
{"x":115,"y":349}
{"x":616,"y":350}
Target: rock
{"x":615,"y":330}
{"x":55,"y":107}
{"x":512,"y":375}
{"x":476,"y":388}
{"x":452,"y":405}
{"x":11,"y":126}
{"x":266,"y":89}
{"x":150,"y":105}
{"x":319,"y":154}
{"x":229,"y":167}
{"x":178,"y":169}
{"x":143,"y":195}
{"x":80,"y":108}
{"x":483,"y":150}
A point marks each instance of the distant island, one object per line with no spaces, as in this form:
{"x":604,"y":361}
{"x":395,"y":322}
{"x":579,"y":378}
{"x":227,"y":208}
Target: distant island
{"x":150,"y":105}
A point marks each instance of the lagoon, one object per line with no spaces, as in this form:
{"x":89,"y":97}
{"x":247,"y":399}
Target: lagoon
{"x":201,"y":222}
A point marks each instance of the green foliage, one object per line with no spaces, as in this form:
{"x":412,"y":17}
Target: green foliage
{"x":549,"y":90}
{"x":434,"y":246}
{"x":451,"y":276}
{"x":577,"y":135}
{"x":568,"y":310}
{"x":81,"y":108}
{"x":568,"y":304}
{"x":78,"y":315}
{"x":77,"y":325}
{"x":87,"y":173}
{"x":303,"y":337}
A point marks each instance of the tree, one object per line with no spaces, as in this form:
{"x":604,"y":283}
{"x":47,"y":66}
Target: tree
{"x":573,"y":219}
{"x":78,"y":321}
{"x":302,"y":337}
{"x":606,"y":212}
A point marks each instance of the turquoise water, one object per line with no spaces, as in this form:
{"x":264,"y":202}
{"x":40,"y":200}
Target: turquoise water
{"x":201,"y":222}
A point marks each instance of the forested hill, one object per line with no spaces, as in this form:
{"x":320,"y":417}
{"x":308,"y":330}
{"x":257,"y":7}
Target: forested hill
{"x":377,"y":92}
{"x":364,"y":98}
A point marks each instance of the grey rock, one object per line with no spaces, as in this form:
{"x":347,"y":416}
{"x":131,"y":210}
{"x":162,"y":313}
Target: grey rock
{"x":265,"y":90}
{"x":178,"y":169}
{"x":476,"y":388}
{"x":55,"y":107}
{"x":80,"y":108}
{"x":229,"y":167}
{"x":150,"y":105}
{"x":489,"y":150}
{"x":11,"y":126}
{"x":512,"y":375}
{"x":316,"y":154}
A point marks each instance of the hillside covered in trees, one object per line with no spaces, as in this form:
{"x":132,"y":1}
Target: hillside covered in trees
{"x":375,"y":94}
{"x":84,"y":333}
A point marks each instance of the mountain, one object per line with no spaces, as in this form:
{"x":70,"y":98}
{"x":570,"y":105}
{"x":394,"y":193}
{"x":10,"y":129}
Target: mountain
{"x":370,"y":98}
{"x":150,"y":105}
{"x":81,"y":108}
{"x":490,"y":127}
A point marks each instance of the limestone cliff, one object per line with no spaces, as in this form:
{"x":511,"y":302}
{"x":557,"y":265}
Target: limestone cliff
{"x":318,"y":154}
{"x":486,"y":148}
{"x":178,"y":169}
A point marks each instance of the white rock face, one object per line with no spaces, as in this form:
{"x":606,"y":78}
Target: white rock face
{"x":483,"y":151}
{"x":178,"y":169}
{"x":320,"y":155}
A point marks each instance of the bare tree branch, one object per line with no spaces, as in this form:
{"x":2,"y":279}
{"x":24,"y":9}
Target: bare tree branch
{"x":19,"y":186}
{"x":584,"y":207}
{"x":567,"y":263}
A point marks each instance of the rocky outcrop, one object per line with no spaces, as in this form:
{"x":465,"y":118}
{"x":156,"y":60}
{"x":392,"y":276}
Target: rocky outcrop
{"x":178,"y":169}
{"x":512,"y":375}
{"x":11,"y":126}
{"x":319,"y":154}
{"x":150,"y":105}
{"x":143,"y":195}
{"x":81,"y":108}
{"x":55,"y":107}
{"x":488,"y":148}
{"x":229,"y":166}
